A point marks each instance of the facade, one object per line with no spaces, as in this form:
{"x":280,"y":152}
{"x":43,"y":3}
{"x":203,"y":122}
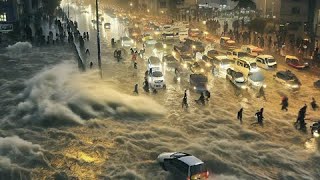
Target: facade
{"x":269,"y":8}
{"x":10,"y":14}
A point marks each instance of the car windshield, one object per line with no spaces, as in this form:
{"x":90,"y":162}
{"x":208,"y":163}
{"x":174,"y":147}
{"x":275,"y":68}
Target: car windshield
{"x":271,"y":61}
{"x":253,"y":65}
{"x":242,"y":54}
{"x":238,"y":75}
{"x":197,"y":169}
{"x":157,"y":74}
{"x":226,"y":62}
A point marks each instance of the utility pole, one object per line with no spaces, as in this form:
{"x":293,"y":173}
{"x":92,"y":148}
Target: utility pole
{"x":98,"y":38}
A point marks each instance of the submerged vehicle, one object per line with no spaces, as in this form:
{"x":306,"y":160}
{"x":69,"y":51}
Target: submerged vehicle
{"x":227,"y":43}
{"x":170,"y":63}
{"x":295,"y":62}
{"x":236,"y":78}
{"x":198,"y":82}
{"x":107,"y":25}
{"x":266,"y":62}
{"x":315,"y":129}
{"x":288,"y":79}
{"x":317,"y":84}
{"x":183,"y":166}
{"x":156,"y":80}
{"x":200,"y":67}
{"x":256,"y":80}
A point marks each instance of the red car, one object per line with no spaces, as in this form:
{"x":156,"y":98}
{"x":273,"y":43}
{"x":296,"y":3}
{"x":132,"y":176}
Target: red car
{"x":295,"y":62}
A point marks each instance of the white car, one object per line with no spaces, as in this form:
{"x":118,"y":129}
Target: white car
{"x":221,"y":64}
{"x":236,"y":53}
{"x":126,"y":42}
{"x":246,"y":65}
{"x":256,"y":80}
{"x":266,"y":62}
{"x":183,"y":165}
{"x":156,"y":80}
{"x":154,"y":63}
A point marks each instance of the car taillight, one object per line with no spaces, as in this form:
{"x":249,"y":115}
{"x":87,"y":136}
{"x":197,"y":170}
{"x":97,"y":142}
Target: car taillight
{"x":188,"y":178}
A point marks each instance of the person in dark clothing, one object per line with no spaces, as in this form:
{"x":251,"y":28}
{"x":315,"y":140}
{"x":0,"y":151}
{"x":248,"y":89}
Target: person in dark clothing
{"x":208,"y":95}
{"x":135,"y":65}
{"x":301,"y":118}
{"x":136,"y":89}
{"x":259,"y":115}
{"x":239,"y":116}
{"x":284,"y":103}
{"x":87,"y":52}
{"x":119,"y":54}
{"x":115,"y":53}
{"x":201,"y":99}
{"x":261,"y":93}
{"x":314,"y":104}
{"x":146,"y":85}
{"x":185,"y":102}
{"x":91,"y":65}
{"x":185,"y":94}
{"x":88,"y":36}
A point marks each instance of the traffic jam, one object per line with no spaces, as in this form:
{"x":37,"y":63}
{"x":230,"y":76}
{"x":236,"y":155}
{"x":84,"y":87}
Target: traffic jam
{"x":192,"y":57}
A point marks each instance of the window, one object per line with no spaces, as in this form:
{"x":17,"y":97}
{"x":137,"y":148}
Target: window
{"x":295,"y":10}
{"x":163,"y":4}
{"x":3,"y":17}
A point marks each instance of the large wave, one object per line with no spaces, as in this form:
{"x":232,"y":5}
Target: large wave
{"x":62,"y":96}
{"x":19,"y":47}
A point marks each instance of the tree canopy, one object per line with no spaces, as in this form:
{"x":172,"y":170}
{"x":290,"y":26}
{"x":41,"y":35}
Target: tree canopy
{"x":245,"y":4}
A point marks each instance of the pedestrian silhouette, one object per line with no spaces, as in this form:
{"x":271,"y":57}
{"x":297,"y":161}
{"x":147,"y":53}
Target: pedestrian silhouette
{"x":91,"y":65}
{"x":239,"y":116}
{"x":314,"y":104}
{"x":136,"y":89}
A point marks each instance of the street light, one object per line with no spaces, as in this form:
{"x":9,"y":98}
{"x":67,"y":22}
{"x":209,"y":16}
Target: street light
{"x":131,"y":4}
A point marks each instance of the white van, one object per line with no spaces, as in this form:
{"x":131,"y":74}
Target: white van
{"x":221,"y":64}
{"x":154,"y":64}
{"x":266,"y":62}
{"x":246,"y":65}
{"x":236,"y":54}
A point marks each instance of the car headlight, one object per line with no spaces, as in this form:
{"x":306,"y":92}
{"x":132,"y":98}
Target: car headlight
{"x":264,"y":86}
{"x":178,"y":79}
{"x":316,"y":133}
{"x":208,"y":64}
{"x":132,"y":41}
{"x":164,"y":46}
{"x":185,"y":65}
{"x":194,"y":87}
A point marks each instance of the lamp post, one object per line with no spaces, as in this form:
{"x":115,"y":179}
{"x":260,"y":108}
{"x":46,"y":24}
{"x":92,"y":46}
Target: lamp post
{"x":98,"y":39}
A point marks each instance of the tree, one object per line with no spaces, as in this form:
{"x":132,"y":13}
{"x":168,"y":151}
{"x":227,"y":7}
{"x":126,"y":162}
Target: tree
{"x":245,"y":4}
{"x":49,"y":6}
{"x":258,"y":25}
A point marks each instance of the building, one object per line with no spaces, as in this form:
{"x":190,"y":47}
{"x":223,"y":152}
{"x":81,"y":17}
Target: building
{"x":316,"y":23}
{"x":269,"y":8}
{"x":9,"y":14}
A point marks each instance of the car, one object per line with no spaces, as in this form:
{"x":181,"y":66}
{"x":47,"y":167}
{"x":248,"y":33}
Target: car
{"x":236,"y":78}
{"x":227,"y":43}
{"x":266,"y":62}
{"x":156,"y":79}
{"x":316,"y":84}
{"x":126,"y":42}
{"x":198,"y":82}
{"x":195,"y":33}
{"x":288,"y":79}
{"x":195,"y":46}
{"x":256,"y":80}
{"x":186,"y":60}
{"x":183,"y":35}
{"x":183,"y":166}
{"x":252,"y":50}
{"x":246,"y":65}
{"x":315,"y":129}
{"x":107,"y":25}
{"x":170,"y":63}
{"x":295,"y":62}
{"x":180,"y":49}
{"x":221,"y":64}
{"x":236,"y":54}
{"x":154,"y":64}
{"x":200,"y":67}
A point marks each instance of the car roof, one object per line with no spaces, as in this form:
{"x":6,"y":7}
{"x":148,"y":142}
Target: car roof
{"x":248,"y":59}
{"x":190,"y":160}
{"x":238,"y":50}
{"x":221,"y":57}
{"x":291,"y":57}
{"x":265,"y":56}
{"x":226,"y":38}
{"x":154,"y":60}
